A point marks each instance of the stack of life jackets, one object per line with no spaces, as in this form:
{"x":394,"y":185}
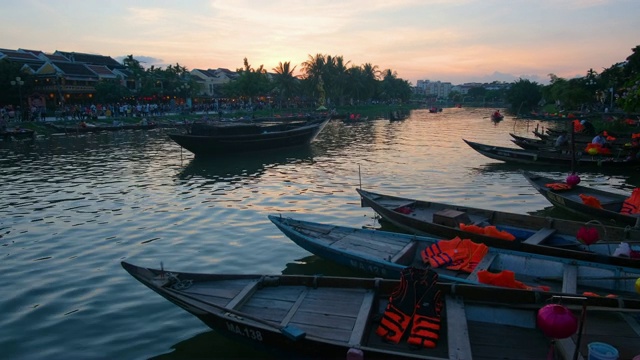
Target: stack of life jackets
{"x":416,"y":301}
{"x":456,"y":254}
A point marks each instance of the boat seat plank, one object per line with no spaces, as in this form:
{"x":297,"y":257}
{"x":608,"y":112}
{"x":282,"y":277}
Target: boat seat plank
{"x":482,"y":265}
{"x":457,"y":330}
{"x":570,"y":279}
{"x":244,"y":294}
{"x":405,"y":255}
{"x":359,"y":327}
{"x":540,"y":236}
{"x":294,"y":308}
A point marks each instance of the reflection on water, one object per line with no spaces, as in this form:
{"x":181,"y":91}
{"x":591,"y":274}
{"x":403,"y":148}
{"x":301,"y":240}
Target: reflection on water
{"x":74,"y":206}
{"x":236,"y":167}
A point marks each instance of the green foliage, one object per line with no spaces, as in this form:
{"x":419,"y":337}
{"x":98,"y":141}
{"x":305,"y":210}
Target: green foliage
{"x":110,"y":91}
{"x":524,"y":96}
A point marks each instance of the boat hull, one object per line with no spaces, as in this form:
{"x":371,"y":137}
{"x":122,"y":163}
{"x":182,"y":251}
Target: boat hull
{"x":534,"y":234}
{"x":570,"y":200}
{"x":337,"y":317}
{"x":210,"y":145}
{"x":385,"y":254}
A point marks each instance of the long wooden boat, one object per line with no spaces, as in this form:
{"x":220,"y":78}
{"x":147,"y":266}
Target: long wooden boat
{"x":521,"y":156}
{"x":17,"y":134}
{"x":535,"y":234}
{"x":220,"y":138}
{"x":534,"y":144}
{"x":571,"y":200}
{"x":384,"y":253}
{"x":338,"y":317}
{"x":101,"y":128}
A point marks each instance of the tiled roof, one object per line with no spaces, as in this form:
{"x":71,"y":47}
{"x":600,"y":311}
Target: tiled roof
{"x":74,"y":69}
{"x":89,"y":58}
{"x":101,"y":71}
{"x":16,"y":55}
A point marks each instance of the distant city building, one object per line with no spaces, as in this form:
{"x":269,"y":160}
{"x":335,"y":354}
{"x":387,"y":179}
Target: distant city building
{"x":436,"y":89}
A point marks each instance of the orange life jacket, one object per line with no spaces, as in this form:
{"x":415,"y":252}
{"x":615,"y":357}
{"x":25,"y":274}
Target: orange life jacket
{"x":631,"y":205}
{"x":472,"y":228}
{"x":590,"y":201}
{"x":455,"y":254}
{"x":558,"y":186}
{"x":393,"y":324}
{"x":425,"y":329}
{"x":489,"y":230}
{"x":506,"y":278}
{"x":415,"y":285}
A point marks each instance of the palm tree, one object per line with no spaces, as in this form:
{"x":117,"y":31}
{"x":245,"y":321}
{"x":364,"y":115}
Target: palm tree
{"x":285,"y":81}
{"x":251,"y":82}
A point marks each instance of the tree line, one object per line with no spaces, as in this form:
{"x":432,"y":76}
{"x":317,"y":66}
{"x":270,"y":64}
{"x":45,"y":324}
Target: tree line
{"x":613,"y":89}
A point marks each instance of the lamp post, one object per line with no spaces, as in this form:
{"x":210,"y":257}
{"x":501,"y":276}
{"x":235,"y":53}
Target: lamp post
{"x":18,"y":81}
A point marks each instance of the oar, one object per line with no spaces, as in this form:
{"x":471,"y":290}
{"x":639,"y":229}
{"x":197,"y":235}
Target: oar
{"x":289,"y":331}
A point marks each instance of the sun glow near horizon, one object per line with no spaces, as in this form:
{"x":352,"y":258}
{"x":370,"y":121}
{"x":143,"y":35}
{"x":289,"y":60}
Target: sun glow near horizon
{"x":454,"y":41}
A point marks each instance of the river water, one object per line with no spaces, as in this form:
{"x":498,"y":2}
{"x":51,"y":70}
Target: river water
{"x":73,"y":207}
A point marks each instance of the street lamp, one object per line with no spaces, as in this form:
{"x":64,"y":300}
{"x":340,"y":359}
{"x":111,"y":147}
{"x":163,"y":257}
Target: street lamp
{"x":18,"y":81}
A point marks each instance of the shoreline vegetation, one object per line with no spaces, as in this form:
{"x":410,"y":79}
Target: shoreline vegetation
{"x":373,"y":111}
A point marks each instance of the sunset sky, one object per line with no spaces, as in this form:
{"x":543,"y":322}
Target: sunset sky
{"x":447,"y":40}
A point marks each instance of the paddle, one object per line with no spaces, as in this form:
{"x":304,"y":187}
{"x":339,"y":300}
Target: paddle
{"x":291,"y":332}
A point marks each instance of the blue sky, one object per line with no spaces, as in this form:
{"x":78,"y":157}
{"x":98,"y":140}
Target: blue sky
{"x":446,"y":40}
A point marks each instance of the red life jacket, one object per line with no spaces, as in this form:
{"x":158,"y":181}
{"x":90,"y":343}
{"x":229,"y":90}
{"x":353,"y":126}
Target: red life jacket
{"x":632,"y":204}
{"x":425,"y":329}
{"x":558,"y":186}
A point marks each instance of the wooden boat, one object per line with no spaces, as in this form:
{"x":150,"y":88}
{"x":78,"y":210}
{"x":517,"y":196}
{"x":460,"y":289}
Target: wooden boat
{"x":541,"y":157}
{"x":17,"y":134}
{"x":385,"y":254}
{"x":397,"y":116}
{"x":211,"y":140}
{"x":496,"y":116}
{"x":101,"y":128}
{"x":570,"y":200}
{"x":533,"y":144}
{"x":337,"y":317}
{"x":534,"y":234}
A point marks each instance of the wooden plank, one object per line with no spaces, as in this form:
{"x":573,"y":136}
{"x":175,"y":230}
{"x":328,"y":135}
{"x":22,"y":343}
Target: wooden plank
{"x":570,"y":279}
{"x":409,"y":248}
{"x":482,"y":265}
{"x":361,"y":321}
{"x":540,"y":236}
{"x":294,"y":308}
{"x":457,"y":330}
{"x":567,"y":347}
{"x":244,"y":294}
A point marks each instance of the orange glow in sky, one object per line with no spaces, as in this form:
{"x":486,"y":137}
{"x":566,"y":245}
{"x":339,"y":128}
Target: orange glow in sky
{"x":440,"y":40}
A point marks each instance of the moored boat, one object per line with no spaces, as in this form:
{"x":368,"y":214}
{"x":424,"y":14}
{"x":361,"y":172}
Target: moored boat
{"x":17,"y":134}
{"x":215,"y":139}
{"x":385,"y":254}
{"x":542,"y":157}
{"x":344,"y":317}
{"x":587,"y":201}
{"x":535,"y":234}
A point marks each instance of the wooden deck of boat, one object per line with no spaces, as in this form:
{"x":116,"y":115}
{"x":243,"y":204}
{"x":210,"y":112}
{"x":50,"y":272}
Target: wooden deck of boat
{"x":480,"y":331}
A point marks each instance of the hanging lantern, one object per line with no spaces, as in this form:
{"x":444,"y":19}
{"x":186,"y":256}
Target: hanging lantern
{"x":573,"y":179}
{"x":588,"y":235}
{"x":557,"y":321}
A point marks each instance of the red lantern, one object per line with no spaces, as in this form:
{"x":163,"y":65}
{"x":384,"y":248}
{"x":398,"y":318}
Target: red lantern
{"x":556,"y":321}
{"x":588,"y":235}
{"x":573,"y":180}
